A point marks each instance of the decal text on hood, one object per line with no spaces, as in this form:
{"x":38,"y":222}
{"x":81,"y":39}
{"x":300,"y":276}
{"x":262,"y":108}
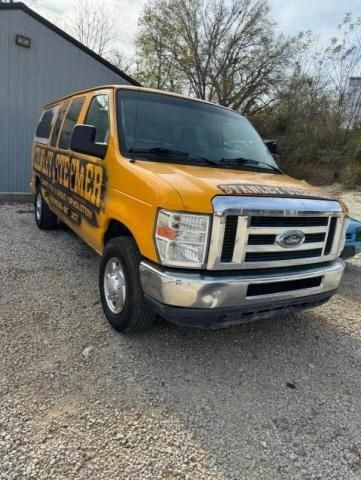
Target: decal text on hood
{"x":273,"y":191}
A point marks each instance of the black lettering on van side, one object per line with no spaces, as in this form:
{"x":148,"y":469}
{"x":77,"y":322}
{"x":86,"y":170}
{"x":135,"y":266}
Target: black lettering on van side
{"x":78,"y":183}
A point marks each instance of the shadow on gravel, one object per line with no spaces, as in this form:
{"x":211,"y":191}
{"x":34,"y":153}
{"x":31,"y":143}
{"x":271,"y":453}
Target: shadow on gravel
{"x":288,"y":385}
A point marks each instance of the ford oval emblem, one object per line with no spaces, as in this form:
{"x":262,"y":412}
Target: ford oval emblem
{"x":291,"y":239}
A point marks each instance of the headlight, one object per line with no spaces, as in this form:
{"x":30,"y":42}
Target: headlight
{"x":182,"y":238}
{"x":358,"y":234}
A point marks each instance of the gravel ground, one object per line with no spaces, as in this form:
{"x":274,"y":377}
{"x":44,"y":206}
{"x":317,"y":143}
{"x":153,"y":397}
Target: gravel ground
{"x":274,"y":399}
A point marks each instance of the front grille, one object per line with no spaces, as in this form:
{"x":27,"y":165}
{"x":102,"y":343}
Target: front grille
{"x":229,"y":238}
{"x":331,"y":235}
{"x":273,"y":256}
{"x":260,"y":221}
{"x":281,"y":287}
{"x":270,"y":239}
{"x":262,"y":245}
{"x":251,"y":233}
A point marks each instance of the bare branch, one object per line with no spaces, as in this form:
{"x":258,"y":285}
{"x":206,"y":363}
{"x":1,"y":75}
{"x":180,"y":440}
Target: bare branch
{"x":94,"y":25}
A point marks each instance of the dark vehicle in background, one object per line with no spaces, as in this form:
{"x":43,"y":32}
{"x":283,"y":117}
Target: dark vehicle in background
{"x":353,"y":239}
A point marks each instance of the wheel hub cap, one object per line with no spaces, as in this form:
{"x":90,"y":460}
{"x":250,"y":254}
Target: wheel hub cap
{"x":38,"y":206}
{"x":114,"y":285}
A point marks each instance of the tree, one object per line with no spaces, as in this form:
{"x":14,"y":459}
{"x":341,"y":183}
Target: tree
{"x":93,"y":25}
{"x":219,"y":50}
{"x":317,"y":116}
{"x":121,"y":60}
{"x":344,"y":63}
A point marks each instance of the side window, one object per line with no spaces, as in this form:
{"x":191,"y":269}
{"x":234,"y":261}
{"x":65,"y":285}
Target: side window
{"x":57,"y":126}
{"x":69,"y":122}
{"x":98,"y":117}
{"x":45,"y":125}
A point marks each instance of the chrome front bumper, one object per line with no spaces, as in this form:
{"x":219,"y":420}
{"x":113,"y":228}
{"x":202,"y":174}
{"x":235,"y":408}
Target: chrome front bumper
{"x":189,"y":290}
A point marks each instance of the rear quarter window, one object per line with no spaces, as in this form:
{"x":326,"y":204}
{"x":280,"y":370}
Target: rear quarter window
{"x":58,"y":124}
{"x":45,"y":125}
{"x":70,"y":122}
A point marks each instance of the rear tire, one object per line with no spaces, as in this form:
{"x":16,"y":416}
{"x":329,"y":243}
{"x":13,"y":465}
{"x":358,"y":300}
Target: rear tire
{"x":44,"y":217}
{"x":121,"y":292}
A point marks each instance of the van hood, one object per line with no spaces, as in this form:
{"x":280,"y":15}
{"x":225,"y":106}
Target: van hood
{"x":198,"y":185}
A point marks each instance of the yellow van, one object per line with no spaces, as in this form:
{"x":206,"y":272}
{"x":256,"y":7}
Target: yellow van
{"x":193,"y":218}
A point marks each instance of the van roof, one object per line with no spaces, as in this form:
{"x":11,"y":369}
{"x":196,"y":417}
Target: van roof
{"x":131,"y":87}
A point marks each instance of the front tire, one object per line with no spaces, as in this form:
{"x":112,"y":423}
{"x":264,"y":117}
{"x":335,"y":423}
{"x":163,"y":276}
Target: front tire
{"x":120,"y":288}
{"x":44,"y":217}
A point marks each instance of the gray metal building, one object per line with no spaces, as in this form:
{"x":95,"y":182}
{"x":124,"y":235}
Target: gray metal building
{"x":38,"y":63}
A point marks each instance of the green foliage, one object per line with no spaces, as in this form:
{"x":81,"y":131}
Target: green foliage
{"x":227,"y":51}
{"x":316,"y":118}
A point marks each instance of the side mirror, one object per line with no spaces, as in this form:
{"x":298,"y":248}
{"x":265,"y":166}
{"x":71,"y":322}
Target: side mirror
{"x":272,"y":146}
{"x":83,"y":141}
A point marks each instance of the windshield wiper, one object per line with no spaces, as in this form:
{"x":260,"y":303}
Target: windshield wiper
{"x":250,"y":161}
{"x":168,"y":152}
{"x":160,"y":152}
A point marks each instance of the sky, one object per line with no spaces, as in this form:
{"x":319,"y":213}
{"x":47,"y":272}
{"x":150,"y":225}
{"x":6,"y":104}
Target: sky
{"x":292,"y":16}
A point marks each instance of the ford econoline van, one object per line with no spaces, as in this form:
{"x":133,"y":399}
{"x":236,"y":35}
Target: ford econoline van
{"x":186,"y":205}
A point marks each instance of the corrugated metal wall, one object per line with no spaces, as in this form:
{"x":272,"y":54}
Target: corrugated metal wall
{"x":31,"y":77}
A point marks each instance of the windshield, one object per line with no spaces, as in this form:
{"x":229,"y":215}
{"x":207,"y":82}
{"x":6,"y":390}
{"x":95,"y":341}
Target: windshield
{"x":154,"y":125}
